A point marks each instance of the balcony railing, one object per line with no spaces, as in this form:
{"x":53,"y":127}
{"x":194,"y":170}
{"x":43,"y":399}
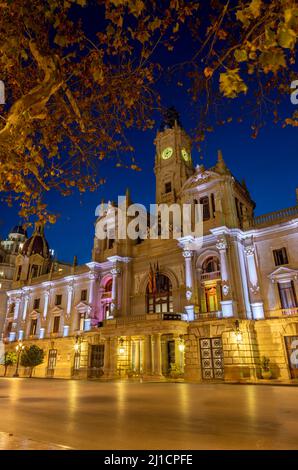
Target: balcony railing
{"x":277,"y":216}
{"x":208,"y":315}
{"x":283,"y":312}
{"x":210,"y":276}
{"x":148,"y":316}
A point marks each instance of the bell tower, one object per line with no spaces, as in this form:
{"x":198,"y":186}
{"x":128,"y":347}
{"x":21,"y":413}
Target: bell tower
{"x":173,"y":162}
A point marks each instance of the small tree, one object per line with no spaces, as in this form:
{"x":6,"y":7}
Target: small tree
{"x":9,"y":359}
{"x":31,"y":357}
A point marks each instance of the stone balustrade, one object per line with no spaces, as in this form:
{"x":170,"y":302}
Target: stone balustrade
{"x":274,"y":217}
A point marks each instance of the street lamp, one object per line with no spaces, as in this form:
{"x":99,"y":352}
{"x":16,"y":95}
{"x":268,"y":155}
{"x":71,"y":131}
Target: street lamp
{"x":121,"y":347}
{"x":181,"y":345}
{"x":19,"y":348}
{"x":238,"y":332}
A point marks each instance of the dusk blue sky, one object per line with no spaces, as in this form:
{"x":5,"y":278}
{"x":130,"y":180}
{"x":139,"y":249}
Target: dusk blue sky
{"x":269,"y":165}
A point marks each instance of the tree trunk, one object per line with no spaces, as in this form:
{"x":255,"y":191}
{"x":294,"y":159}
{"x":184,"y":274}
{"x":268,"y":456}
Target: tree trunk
{"x":31,"y":370}
{"x":5,"y":371}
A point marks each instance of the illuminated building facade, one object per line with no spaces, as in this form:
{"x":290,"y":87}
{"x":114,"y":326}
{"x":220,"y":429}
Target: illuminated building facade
{"x":158,"y":309}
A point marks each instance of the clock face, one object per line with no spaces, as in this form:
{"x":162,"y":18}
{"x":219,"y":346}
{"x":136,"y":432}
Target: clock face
{"x":185,"y":155}
{"x":167,"y":153}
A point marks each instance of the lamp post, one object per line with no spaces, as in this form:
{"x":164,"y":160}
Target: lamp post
{"x":19,"y":348}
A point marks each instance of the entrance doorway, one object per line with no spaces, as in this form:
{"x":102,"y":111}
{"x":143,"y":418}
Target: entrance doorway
{"x":96,"y":360}
{"x":212,"y":358}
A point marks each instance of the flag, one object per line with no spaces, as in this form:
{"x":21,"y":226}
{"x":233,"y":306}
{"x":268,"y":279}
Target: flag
{"x":150,"y":282}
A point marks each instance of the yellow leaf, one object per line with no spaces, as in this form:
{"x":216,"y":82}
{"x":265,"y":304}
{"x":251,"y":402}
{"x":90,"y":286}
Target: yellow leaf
{"x":287,"y":38}
{"x":231,"y":84}
{"x":240,"y":55}
{"x":255,"y":8}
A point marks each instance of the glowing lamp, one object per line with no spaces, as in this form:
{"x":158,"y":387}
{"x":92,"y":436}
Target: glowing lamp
{"x":121,"y":347}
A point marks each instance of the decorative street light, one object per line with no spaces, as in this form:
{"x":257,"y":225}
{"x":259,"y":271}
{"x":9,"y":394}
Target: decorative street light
{"x":238,"y":332}
{"x":19,"y":348}
{"x":121,"y":347}
{"x":181,"y":345}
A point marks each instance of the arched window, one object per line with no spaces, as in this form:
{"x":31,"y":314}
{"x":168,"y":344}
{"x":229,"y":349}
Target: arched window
{"x":106,"y":299}
{"x":159,"y":295}
{"x":210,"y":265}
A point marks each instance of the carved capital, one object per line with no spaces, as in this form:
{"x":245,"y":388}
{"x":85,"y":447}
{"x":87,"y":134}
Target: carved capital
{"x":249,"y":250}
{"x":225,"y":290}
{"x":115,"y":271}
{"x":70,"y":289}
{"x":187,"y":253}
{"x":221,"y":244}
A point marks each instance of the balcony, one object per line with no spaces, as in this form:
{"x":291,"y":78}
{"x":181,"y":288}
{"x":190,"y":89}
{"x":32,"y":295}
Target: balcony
{"x":283,"y":312}
{"x":208,"y":315}
{"x":277,"y":216}
{"x":210,"y":276}
{"x":169,"y":316}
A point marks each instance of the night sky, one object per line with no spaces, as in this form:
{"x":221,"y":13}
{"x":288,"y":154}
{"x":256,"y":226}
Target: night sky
{"x":269,"y":165}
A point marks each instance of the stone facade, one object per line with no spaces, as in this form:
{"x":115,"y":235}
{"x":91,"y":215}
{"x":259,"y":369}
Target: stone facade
{"x":166,"y":309}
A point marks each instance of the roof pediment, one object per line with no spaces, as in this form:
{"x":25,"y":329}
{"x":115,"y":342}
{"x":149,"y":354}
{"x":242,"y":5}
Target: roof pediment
{"x":200,"y":177}
{"x":83,"y":306}
{"x":283,"y":273}
{"x":57,"y":310}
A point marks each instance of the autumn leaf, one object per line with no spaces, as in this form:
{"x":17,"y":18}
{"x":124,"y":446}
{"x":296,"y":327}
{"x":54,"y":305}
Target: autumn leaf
{"x":231,"y":84}
{"x":240,"y":55}
{"x":287,"y":37}
{"x":272,"y":61}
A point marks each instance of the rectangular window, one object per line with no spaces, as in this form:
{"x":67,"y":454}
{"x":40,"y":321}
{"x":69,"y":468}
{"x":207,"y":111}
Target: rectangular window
{"x":56,"y":324}
{"x":19,"y":273}
{"x":206,"y":208}
{"x":33,"y":327}
{"x":52,"y":359}
{"x":36,"y":304}
{"x":12,"y":307}
{"x":168,"y":187}
{"x":287,"y":295}
{"x":34,"y":270}
{"x":84,"y":294}
{"x":280,"y":257}
{"x":58,"y":300}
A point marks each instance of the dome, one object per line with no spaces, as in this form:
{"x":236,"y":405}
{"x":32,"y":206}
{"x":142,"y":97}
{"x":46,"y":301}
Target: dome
{"x":36,"y":244}
{"x":18,"y":229}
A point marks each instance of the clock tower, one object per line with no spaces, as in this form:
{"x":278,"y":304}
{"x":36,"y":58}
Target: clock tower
{"x":173,"y":163}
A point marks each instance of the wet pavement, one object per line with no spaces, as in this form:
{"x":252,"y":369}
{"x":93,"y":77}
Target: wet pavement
{"x":61,"y":414}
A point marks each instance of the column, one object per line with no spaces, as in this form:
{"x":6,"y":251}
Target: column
{"x":91,"y":290}
{"x":147,"y":355}
{"x":244,"y":280}
{"x":137,"y":355}
{"x":16,"y":310}
{"x":254,"y":288}
{"x":187,"y":254}
{"x":69,"y":299}
{"x":227,"y":303}
{"x":157,"y":355}
{"x":26,"y":300}
{"x":46,"y":303}
{"x":115,"y":271}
